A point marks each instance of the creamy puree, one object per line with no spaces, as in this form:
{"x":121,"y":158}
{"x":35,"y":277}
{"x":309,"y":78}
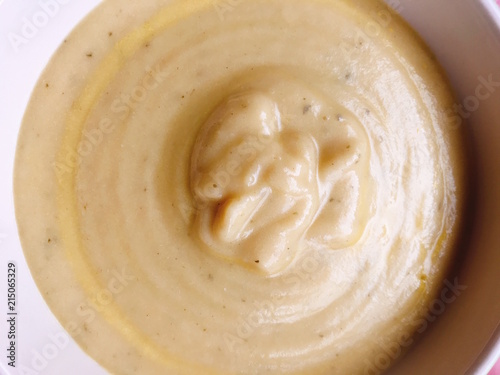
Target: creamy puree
{"x":250,"y":187}
{"x":277,"y":160}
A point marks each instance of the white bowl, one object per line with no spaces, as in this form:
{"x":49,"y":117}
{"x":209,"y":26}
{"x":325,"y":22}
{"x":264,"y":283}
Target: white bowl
{"x":465,"y":36}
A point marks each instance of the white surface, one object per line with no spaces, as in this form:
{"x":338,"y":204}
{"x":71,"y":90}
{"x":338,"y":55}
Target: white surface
{"x":19,"y":71}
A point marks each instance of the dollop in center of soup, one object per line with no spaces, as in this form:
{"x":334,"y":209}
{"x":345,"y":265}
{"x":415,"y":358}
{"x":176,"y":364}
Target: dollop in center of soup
{"x":277,"y":167}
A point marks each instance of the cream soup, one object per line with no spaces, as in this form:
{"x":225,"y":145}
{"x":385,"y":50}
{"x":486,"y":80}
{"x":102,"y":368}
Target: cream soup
{"x":240,"y":187}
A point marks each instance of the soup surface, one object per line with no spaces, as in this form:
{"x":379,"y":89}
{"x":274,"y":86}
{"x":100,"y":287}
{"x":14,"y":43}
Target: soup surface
{"x":240,"y":186}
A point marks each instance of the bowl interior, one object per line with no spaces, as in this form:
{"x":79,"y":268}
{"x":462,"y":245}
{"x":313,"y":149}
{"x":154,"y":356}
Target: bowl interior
{"x":465,"y":37}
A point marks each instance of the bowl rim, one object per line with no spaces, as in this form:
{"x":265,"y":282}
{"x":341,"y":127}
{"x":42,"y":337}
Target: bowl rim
{"x":490,"y":354}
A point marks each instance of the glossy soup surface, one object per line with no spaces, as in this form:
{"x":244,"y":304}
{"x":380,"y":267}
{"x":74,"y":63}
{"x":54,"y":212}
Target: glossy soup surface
{"x":240,"y":186}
